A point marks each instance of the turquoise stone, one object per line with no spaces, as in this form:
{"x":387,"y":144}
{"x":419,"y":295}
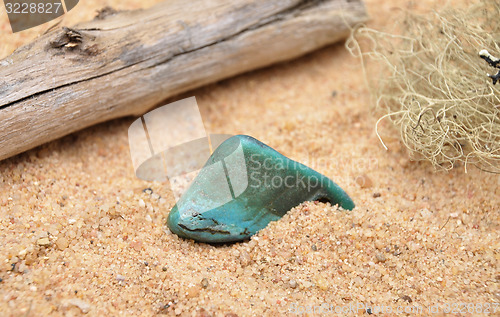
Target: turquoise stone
{"x":243,"y":186}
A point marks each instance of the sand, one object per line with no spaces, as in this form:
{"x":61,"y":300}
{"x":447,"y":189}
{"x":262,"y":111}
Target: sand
{"x":80,"y":235}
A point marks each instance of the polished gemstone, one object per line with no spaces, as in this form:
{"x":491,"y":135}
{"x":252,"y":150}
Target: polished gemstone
{"x":244,"y":185}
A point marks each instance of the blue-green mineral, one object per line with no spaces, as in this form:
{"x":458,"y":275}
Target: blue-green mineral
{"x":243,"y":186}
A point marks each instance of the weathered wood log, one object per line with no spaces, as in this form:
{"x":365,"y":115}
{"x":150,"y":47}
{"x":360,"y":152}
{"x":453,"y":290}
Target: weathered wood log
{"x":126,"y":63}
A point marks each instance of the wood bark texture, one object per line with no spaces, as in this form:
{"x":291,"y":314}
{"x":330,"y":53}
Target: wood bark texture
{"x":125,"y":63}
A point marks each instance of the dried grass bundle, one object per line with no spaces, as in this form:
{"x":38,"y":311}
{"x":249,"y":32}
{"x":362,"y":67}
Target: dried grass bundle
{"x":434,"y":85}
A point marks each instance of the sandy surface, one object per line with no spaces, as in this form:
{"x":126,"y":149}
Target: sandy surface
{"x":78,"y":233}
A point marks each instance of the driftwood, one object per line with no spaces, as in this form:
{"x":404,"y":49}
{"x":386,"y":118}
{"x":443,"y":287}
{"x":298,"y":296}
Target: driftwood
{"x":125,"y":63}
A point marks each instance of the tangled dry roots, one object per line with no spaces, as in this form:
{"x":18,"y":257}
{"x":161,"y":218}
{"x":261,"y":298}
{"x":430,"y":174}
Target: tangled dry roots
{"x":434,"y":86}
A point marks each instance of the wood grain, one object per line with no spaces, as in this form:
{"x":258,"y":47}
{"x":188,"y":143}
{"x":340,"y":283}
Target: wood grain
{"x":125,"y":63}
